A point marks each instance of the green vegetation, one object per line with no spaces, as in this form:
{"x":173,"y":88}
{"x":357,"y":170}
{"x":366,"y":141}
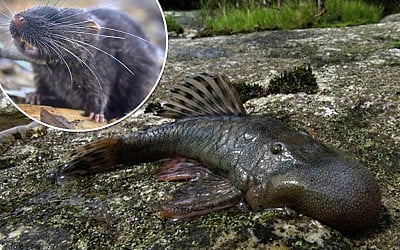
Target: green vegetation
{"x":395,"y":44}
{"x":347,"y":13}
{"x":153,"y":108}
{"x":226,"y":18}
{"x":390,"y":6}
{"x":173,"y":24}
{"x":249,"y":91}
{"x":300,"y":79}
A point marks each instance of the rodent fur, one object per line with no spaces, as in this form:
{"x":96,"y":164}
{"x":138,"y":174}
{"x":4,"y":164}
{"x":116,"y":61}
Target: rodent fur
{"x":87,"y":54}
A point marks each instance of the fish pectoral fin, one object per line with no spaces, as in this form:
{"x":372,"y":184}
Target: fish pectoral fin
{"x":181,"y":169}
{"x":203,"y":95}
{"x":200,"y":196}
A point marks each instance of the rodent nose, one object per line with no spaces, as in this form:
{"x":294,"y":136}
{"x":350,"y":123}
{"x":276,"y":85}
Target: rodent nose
{"x":18,"y":21}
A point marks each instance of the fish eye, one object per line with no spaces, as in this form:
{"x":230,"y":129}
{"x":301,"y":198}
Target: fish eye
{"x":277,"y":148}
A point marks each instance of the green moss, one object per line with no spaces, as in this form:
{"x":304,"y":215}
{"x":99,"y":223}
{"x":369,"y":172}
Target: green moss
{"x":301,"y":79}
{"x":247,"y":91}
{"x":153,"y":107}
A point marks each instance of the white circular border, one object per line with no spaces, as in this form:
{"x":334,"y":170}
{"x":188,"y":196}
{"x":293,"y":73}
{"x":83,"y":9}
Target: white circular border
{"x":124,"y":117}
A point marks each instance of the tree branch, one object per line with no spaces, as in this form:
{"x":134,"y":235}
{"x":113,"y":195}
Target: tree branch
{"x":14,"y":54}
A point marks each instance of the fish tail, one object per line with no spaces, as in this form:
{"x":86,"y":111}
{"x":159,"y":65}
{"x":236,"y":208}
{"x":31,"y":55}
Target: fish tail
{"x":99,"y":156}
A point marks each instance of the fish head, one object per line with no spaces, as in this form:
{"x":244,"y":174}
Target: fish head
{"x":316,"y":180}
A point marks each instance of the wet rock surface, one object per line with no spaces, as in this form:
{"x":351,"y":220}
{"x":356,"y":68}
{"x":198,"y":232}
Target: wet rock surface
{"x":356,"y":109}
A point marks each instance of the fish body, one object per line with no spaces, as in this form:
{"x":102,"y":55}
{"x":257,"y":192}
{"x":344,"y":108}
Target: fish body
{"x":228,"y":156}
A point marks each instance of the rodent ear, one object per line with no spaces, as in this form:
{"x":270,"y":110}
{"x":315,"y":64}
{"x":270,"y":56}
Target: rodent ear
{"x":93,"y":26}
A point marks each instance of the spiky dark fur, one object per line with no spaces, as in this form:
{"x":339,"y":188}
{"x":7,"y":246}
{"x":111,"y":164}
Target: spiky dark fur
{"x":107,"y":87}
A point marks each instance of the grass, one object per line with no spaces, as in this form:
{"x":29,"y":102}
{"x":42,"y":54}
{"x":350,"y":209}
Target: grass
{"x":395,"y":44}
{"x":173,"y":24}
{"x":293,"y":15}
{"x":347,"y":13}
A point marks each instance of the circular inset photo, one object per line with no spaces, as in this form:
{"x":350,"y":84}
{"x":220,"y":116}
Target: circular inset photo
{"x":81,"y":65}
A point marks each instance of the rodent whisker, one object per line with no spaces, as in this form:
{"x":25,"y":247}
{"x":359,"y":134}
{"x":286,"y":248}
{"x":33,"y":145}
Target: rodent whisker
{"x":69,"y":23}
{"x":10,"y":11}
{"x":59,"y":43}
{"x":77,"y":14}
{"x":69,"y":40}
{"x":126,"y":33}
{"x":105,"y":52}
{"x":104,"y":28}
{"x":59,"y":54}
{"x":81,"y":30}
{"x":52,"y":5}
{"x":5,"y":16}
{"x":109,"y":72}
{"x":88,"y":33}
{"x":76,"y":25}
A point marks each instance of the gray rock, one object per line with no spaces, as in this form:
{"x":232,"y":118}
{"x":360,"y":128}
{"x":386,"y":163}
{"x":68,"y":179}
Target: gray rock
{"x":357,"y":109}
{"x":5,"y":105}
{"x":391,"y":18}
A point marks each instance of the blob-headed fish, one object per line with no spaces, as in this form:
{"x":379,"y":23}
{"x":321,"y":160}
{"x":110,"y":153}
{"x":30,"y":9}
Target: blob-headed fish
{"x":226,"y":155}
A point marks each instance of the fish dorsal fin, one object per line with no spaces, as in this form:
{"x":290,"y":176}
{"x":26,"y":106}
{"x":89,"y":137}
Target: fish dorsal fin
{"x":204,"y":95}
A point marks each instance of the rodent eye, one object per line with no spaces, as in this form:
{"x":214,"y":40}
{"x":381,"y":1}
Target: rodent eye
{"x":277,"y":148}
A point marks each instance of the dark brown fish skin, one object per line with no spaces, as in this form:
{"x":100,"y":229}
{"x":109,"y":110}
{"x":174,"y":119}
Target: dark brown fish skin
{"x":272,"y":165}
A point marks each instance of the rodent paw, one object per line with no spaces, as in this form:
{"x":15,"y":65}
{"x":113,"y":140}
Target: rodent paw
{"x":99,"y":118}
{"x":33,"y":98}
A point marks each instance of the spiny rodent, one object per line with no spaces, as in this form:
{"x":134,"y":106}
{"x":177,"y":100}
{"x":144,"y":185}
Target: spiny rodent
{"x":97,"y":60}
